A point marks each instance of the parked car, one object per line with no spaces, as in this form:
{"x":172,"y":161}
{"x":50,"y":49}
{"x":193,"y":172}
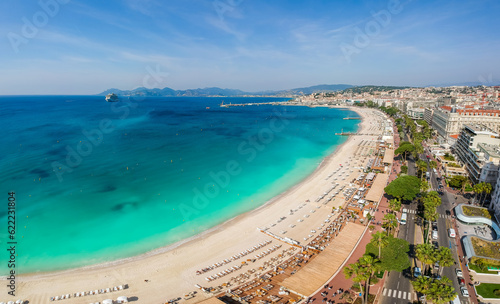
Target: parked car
{"x":451,"y":232}
{"x":417,"y":272}
{"x":459,"y":273}
{"x":464,"y":291}
{"x":436,"y":265}
{"x":461,"y":281}
{"x":434,"y":235}
{"x":436,"y":245}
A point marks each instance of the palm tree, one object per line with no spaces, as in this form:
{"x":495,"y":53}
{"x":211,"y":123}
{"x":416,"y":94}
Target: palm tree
{"x":395,"y":204}
{"x":422,"y":284}
{"x":425,"y":253}
{"x":358,"y":274}
{"x":371,"y":265}
{"x":441,"y":291}
{"x":390,"y":222}
{"x":478,"y":189}
{"x":445,"y":258}
{"x":424,"y":186}
{"x":433,"y":164}
{"x":487,"y":190}
{"x":380,"y":240}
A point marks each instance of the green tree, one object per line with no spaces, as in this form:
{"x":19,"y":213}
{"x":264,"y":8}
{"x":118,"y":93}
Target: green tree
{"x":404,"y":169}
{"x":433,"y":164}
{"x":371,"y":265}
{"x":389,"y":222}
{"x":380,"y":240}
{"x":395,"y":204}
{"x":457,"y":181}
{"x":478,"y":189}
{"x":422,"y":167}
{"x":424,"y":186}
{"x":445,"y":258}
{"x":425,"y":253}
{"x":441,"y":291}
{"x":422,"y":284}
{"x":359,"y":275}
{"x":418,"y":146}
{"x":394,"y":256}
{"x":485,"y":190}
{"x":404,"y":149}
{"x":404,"y":187}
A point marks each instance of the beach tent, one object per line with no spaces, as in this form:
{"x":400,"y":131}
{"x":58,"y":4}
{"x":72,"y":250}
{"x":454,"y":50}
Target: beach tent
{"x":107,"y":301}
{"x":122,"y":299}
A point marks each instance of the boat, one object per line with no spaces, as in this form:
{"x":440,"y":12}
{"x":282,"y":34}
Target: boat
{"x":112,"y":97}
{"x":208,"y":108}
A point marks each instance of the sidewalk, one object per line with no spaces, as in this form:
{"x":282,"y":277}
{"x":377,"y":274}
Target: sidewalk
{"x":463,"y":266}
{"x":340,"y":281}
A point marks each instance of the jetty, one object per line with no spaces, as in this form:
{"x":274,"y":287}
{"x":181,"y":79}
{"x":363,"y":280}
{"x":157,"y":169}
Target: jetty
{"x":349,"y":118}
{"x":273,"y":103}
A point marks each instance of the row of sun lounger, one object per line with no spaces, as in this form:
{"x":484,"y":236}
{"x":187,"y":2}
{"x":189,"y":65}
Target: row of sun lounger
{"x":233,"y":258}
{"x":86,"y":293}
{"x":12,"y":302}
{"x":222,"y":273}
{"x":267,"y":252}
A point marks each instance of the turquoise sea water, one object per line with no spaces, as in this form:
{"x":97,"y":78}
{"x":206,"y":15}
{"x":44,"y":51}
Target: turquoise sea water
{"x":97,"y":181}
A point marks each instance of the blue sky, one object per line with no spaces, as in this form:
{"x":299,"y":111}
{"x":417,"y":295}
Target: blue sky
{"x":85,"y":47}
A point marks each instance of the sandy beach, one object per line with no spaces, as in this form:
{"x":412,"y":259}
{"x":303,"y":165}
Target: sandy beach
{"x":171,"y":272}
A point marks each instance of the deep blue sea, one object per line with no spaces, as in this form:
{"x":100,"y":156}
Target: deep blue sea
{"x":97,"y":181}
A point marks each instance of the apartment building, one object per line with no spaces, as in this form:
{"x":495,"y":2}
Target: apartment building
{"x":478,"y":148}
{"x":448,"y":121}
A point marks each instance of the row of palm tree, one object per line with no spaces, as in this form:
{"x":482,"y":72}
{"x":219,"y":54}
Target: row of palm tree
{"x":362,"y":272}
{"x":484,"y":189}
{"x":431,"y":200}
{"x":428,"y":255}
{"x":438,"y":291}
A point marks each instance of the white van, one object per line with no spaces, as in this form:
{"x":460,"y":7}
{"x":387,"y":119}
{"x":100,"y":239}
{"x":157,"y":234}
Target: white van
{"x":451,"y":233}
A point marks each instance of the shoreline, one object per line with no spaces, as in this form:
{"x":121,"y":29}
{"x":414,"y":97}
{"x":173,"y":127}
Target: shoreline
{"x":209,"y":231}
{"x":169,"y":251}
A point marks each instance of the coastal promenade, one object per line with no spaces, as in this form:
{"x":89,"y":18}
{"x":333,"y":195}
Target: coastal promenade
{"x":231,"y":254}
{"x":339,"y":281}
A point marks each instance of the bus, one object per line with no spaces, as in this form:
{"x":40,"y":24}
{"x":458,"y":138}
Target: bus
{"x":403,"y":218}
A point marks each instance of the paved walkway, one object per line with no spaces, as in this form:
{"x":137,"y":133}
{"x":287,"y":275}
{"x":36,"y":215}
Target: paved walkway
{"x":340,"y":281}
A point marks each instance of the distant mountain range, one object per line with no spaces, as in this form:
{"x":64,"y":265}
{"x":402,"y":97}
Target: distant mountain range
{"x":226,"y":92}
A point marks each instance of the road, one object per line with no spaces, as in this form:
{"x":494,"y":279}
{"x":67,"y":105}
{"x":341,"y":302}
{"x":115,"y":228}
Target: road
{"x":397,"y":288}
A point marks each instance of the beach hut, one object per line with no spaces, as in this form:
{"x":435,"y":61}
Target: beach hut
{"x":107,"y":301}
